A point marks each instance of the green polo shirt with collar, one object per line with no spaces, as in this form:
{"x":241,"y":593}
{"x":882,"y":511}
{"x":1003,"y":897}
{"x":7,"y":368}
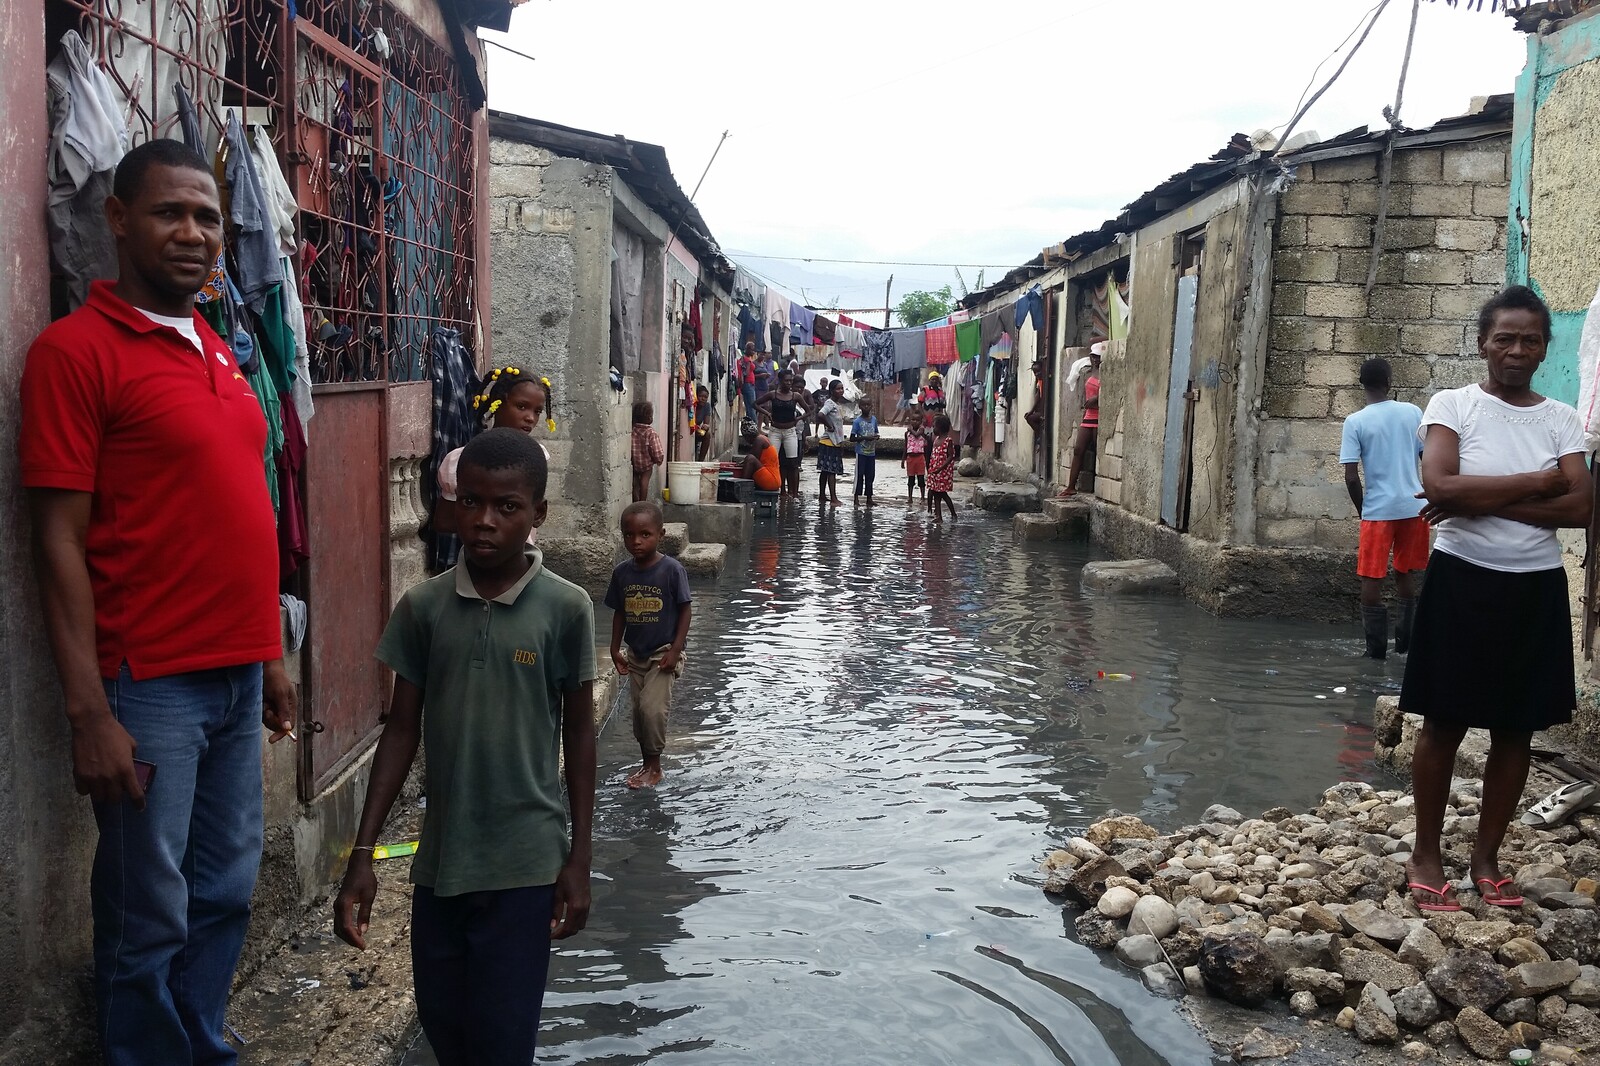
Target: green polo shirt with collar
{"x":493,"y":674}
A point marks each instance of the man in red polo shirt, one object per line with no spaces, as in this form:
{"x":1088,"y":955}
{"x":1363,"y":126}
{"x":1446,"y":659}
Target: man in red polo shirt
{"x":142,"y":450}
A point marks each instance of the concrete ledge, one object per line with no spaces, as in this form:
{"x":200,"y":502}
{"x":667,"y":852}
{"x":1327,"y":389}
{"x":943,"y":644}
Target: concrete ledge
{"x":1072,"y":515}
{"x":1246,"y":581}
{"x":712,"y":523}
{"x":584,"y":559}
{"x":1130,"y":575}
{"x":704,"y":560}
{"x":1034,"y":527}
{"x":1006,"y":497}
{"x":674,"y":538}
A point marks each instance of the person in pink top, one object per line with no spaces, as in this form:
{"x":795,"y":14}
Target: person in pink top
{"x":1089,"y":425}
{"x":915,"y":457}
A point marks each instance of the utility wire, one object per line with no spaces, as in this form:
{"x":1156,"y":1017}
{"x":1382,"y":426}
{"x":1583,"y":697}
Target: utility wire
{"x":865,"y":262}
{"x":1298,"y":115}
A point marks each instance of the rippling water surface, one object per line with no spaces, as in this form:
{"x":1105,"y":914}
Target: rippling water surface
{"x":881,"y":729}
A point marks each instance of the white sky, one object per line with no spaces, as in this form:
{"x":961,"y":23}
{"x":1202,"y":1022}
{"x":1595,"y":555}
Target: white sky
{"x":942,"y":132}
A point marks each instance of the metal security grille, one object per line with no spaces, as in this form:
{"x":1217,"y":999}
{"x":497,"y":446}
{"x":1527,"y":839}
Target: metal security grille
{"x":371,"y":129}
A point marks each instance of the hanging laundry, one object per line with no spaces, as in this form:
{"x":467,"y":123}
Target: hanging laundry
{"x":294,"y":535}
{"x":454,"y":385}
{"x":877,"y":357}
{"x":992,"y":327}
{"x":693,"y":326}
{"x":255,"y":243}
{"x":775,"y":313}
{"x":910,"y":349}
{"x":751,"y":328}
{"x":941,"y":342}
{"x":852,"y":342}
{"x":801,"y":321}
{"x":968,"y":339}
{"x":1030,"y":306}
{"x":87,"y":139}
{"x":1118,"y":312}
{"x":824,"y":330}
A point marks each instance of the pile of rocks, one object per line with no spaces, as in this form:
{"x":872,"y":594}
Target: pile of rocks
{"x":1313,"y":908}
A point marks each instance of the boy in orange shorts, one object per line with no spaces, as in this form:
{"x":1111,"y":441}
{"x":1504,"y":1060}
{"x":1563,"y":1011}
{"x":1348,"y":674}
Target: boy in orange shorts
{"x":1381,"y":441}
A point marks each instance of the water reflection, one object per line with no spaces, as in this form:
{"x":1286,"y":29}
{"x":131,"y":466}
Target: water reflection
{"x":881,"y":728}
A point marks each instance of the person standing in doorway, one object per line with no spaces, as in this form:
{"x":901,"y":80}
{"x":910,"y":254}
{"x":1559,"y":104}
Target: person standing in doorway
{"x":864,"y":431}
{"x":650,"y":603}
{"x":1380,"y":441}
{"x":646,"y":451}
{"x":702,"y":423}
{"x":1502,"y":470}
{"x":830,"y":443}
{"x":157,"y":556}
{"x":1087,"y":442}
{"x":494,"y":669}
{"x":744,"y":372}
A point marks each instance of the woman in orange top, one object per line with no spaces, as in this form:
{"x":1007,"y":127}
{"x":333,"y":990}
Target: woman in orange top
{"x":761,"y":460}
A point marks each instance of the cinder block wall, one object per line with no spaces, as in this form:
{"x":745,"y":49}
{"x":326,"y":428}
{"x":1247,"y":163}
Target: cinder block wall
{"x":1444,"y":254}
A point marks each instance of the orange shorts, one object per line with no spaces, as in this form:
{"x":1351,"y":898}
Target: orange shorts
{"x":1404,"y":538}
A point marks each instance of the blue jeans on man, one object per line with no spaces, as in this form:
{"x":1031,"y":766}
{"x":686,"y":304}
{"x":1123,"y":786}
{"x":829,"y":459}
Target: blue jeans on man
{"x":171,"y":884}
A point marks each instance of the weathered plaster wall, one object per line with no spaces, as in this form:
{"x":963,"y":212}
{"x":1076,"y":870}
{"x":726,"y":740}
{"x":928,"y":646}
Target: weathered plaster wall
{"x":44,"y":925}
{"x":1214,"y":371}
{"x":1137,"y":390}
{"x":1444,"y":243}
{"x":550,"y":224}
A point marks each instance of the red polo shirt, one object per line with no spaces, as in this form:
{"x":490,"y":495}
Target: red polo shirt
{"x":182,"y":546}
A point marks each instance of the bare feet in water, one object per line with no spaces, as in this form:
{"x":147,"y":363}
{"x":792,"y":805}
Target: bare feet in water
{"x":647,"y":776}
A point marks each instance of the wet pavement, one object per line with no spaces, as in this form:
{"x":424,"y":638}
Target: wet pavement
{"x":882,"y":727}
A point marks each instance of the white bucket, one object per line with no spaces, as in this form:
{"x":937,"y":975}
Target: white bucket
{"x":683,"y":482}
{"x":708,"y":481}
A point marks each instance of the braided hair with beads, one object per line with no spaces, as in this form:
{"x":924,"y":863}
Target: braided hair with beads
{"x":497,"y":388}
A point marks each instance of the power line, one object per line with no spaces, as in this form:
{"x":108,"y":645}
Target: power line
{"x":865,"y":262}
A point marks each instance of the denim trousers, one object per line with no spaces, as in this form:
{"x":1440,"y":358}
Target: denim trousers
{"x":866,"y":471}
{"x":479,"y":962}
{"x":171,"y":884}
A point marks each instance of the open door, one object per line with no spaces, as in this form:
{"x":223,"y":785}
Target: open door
{"x":1176,"y":455}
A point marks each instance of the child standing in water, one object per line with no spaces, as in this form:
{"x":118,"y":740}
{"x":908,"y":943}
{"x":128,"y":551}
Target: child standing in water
{"x":942,"y":470}
{"x":647,"y":450}
{"x":649,"y":596}
{"x":915,"y":457}
{"x":512,"y":398}
{"x":864,"y":431}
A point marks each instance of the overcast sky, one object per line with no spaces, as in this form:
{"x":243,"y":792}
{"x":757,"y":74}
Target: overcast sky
{"x":927,"y":131}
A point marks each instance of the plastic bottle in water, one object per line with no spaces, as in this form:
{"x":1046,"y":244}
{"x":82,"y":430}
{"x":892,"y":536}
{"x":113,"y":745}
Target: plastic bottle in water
{"x":1114,"y":677}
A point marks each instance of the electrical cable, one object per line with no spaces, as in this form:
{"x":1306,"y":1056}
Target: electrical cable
{"x":865,"y":262}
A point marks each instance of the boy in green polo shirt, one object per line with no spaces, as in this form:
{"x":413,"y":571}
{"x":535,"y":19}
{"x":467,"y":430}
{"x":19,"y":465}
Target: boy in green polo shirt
{"x":499,"y":653}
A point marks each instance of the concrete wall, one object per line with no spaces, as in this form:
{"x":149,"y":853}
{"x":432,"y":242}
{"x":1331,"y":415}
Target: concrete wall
{"x":1553,"y":189}
{"x":44,"y":926}
{"x":1444,"y":253}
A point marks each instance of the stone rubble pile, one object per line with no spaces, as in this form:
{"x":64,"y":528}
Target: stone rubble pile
{"x":1313,"y":908}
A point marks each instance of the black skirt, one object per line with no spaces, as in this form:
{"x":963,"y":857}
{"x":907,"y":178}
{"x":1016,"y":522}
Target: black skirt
{"x":1490,"y":649}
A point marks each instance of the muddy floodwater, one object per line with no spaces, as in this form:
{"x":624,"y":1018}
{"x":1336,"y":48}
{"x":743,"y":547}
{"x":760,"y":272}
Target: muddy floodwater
{"x":882,"y":727}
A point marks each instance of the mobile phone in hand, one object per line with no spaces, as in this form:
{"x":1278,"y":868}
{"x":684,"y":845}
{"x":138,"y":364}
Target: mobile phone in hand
{"x":144,"y":773}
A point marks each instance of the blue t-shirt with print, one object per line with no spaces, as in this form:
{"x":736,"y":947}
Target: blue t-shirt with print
{"x":861,"y":427}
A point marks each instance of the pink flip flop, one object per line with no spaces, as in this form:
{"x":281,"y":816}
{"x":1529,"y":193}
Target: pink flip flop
{"x":1444,"y":905}
{"x":1500,"y":900}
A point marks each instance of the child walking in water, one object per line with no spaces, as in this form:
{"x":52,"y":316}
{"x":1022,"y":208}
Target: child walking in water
{"x":512,"y":398}
{"x":864,"y":431}
{"x":942,"y":470}
{"x":647,"y":450}
{"x":915,"y":457}
{"x":649,"y":596}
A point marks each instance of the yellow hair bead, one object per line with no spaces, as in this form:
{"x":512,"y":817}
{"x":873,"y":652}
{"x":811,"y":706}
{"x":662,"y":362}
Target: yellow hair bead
{"x":493,"y":408}
{"x":550,"y":424}
{"x":545,"y":382}
{"x":512,"y":370}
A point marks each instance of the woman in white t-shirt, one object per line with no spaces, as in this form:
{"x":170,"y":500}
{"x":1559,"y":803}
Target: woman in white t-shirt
{"x":1502,"y":470}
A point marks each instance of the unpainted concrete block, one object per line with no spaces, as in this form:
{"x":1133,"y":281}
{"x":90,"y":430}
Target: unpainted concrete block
{"x":1286,"y":532}
{"x":712,"y":523}
{"x":1400,"y":234}
{"x":1457,"y":373}
{"x":1362,"y":198}
{"x":1286,"y":369}
{"x":1435,"y":268}
{"x":1339,"y":231}
{"x":1108,"y":465}
{"x":1073,"y":515}
{"x":1412,"y":165}
{"x":1339,"y":371}
{"x":1467,"y":234}
{"x":704,"y":560}
{"x":674,"y":537}
{"x":502,"y":150}
{"x":1305,"y":264}
{"x":1006,"y":497}
{"x":1431,"y":338}
{"x":1292,"y":333}
{"x":1411,"y":372}
{"x":1461,"y":301}
{"x":1130,"y":575}
{"x":515,"y":181}
{"x":1343,"y":403}
{"x":1362,"y":337}
{"x":1354,"y":263}
{"x":1336,"y":301}
{"x":1292,"y":231}
{"x":1441,"y":200}
{"x":1488,"y":268}
{"x":1475,"y":163}
{"x":1289,"y":297}
{"x":1492,"y":201}
{"x":1295,"y":402}
{"x":1351,"y":168}
{"x":1026,"y":526}
{"x":1402,"y":302}
{"x":1109,"y":490}
{"x":1314,"y":198}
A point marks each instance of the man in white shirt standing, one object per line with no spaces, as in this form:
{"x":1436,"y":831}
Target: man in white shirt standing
{"x":1380,"y":441}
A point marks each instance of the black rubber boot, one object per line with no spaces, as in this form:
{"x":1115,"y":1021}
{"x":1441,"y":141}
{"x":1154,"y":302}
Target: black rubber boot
{"x":1375,"y":620}
{"x":1402,"y":628}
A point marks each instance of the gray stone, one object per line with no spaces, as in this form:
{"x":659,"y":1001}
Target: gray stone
{"x":1160,"y":979}
{"x":1095,"y":930}
{"x":1372,"y":967}
{"x":1580,"y":1026}
{"x":1117,"y":902}
{"x":1318,"y":919}
{"x":1550,"y":1011}
{"x":1153,"y":915}
{"x":1118,"y":827}
{"x":1484,"y":1037}
{"x":674,"y":537}
{"x":1367,"y":917}
{"x":1130,"y":575}
{"x":1073,"y":517}
{"x":1521,"y":1009}
{"x":1416,"y":1007}
{"x":1260,"y":1044}
{"x":969,"y":467}
{"x":1139,"y":950}
{"x":1238,"y":967}
{"x":1518,"y":950}
{"x":1193,"y":982}
{"x":1586,"y":989}
{"x":1302,"y":1003}
{"x":704,"y":560}
{"x":1556,"y":901}
{"x":1326,"y":986}
{"x":1538,"y":978}
{"x":1416,"y":1050}
{"x":1421,"y":948}
{"x":1571,"y":934}
{"x":1006,"y":497}
{"x":1484,"y":936}
{"x":1087,"y":883}
{"x":1440,"y":1034}
{"x":1219,"y":813}
{"x":1469,"y":978}
{"x":1375,"y":1017}
{"x":1543,"y":888}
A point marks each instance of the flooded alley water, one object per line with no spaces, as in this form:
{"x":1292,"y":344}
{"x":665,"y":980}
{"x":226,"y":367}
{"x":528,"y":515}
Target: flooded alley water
{"x":882,"y":727}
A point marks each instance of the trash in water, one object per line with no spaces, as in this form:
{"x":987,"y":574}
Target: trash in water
{"x":930,"y":936}
{"x":1114,"y":677}
{"x":1272,"y":672}
{"x":394,"y":851}
{"x":1341,"y":690}
{"x":1320,"y":696}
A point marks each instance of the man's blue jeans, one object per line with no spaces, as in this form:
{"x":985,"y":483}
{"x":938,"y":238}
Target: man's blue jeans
{"x":172,"y":883}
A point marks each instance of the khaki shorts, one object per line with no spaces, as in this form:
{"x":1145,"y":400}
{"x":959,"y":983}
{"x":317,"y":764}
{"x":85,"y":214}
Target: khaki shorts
{"x":650,"y":695}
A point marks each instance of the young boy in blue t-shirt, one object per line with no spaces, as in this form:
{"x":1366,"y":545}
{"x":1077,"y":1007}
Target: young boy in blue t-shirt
{"x":864,"y":431}
{"x":494,"y":667}
{"x":649,"y":594}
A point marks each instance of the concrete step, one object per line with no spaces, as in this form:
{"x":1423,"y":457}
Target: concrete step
{"x":1007,"y":497}
{"x":1026,"y":526}
{"x":1130,"y":575}
{"x":1072,"y":514}
{"x":703,"y":560}
{"x":674,"y":537}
